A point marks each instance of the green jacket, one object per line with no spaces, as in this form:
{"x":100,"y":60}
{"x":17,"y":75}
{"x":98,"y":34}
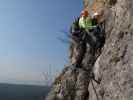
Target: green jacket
{"x":86,"y":23}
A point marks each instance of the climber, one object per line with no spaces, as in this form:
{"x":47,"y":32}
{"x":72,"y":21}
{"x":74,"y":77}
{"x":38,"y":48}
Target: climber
{"x":93,"y":28}
{"x":78,"y":45}
{"x":78,"y":32}
{"x":83,"y":24}
{"x":88,"y":25}
{"x":85,"y":29}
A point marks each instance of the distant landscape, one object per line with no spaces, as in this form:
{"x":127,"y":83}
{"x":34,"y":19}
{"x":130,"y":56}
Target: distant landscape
{"x":22,"y":92}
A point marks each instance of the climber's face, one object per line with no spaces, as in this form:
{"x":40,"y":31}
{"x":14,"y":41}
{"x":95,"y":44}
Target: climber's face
{"x":84,"y":13}
{"x":95,"y":15}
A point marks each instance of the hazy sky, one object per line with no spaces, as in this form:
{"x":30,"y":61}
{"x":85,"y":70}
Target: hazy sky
{"x":28,"y":38}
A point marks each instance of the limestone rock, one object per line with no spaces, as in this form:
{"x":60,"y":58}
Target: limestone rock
{"x":114,"y":65}
{"x":116,"y":60}
{"x":72,"y":84}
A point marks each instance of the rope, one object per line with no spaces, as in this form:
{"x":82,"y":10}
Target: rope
{"x":94,"y":90}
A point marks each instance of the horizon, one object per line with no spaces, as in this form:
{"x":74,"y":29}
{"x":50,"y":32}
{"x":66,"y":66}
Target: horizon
{"x":29,"y":47}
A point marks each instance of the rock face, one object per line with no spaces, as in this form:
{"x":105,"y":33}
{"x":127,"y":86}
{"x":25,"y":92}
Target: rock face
{"x":116,"y":60}
{"x":114,"y":65}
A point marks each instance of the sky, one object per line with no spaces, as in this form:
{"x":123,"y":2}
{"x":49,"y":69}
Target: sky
{"x":29,"y":44}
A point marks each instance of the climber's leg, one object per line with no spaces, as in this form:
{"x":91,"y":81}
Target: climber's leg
{"x":79,"y":49}
{"x":89,"y":58}
{"x":90,"y":38}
